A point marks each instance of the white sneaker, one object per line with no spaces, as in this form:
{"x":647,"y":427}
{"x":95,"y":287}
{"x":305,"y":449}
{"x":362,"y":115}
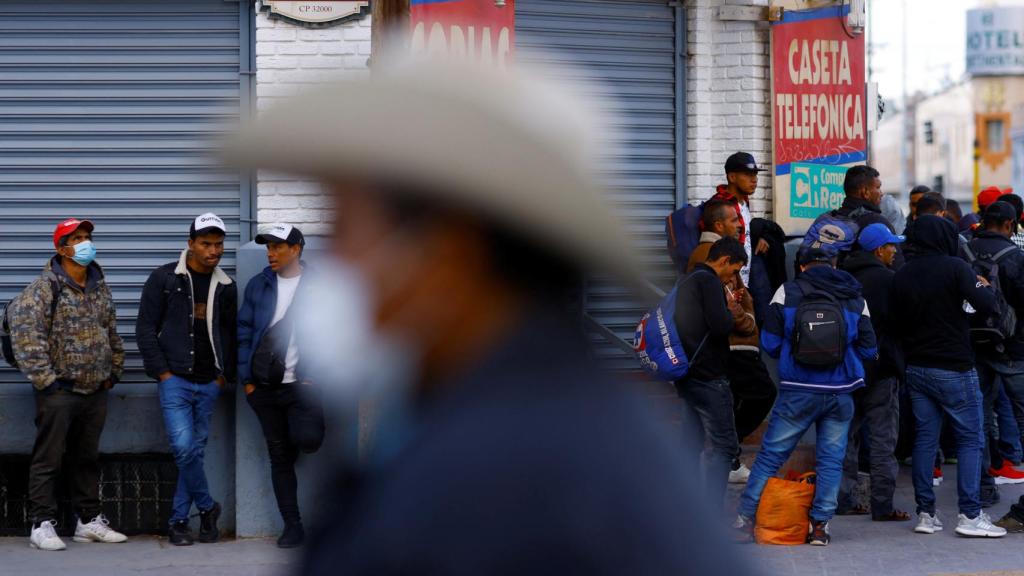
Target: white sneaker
{"x":981,"y":526}
{"x":44,"y":537}
{"x":98,"y":530}
{"x":739,"y":475}
{"x":928,"y":523}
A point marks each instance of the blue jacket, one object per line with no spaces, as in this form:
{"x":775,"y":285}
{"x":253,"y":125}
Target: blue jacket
{"x":254,"y":318}
{"x":777,"y":336}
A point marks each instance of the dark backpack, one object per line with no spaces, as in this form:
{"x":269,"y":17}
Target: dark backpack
{"x":819,"y":329}
{"x":991,"y":330}
{"x":835,"y":230}
{"x":5,"y":326}
{"x":682,"y":230}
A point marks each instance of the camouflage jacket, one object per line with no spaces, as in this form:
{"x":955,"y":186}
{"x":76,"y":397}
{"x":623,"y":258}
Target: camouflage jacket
{"x":79,"y":344}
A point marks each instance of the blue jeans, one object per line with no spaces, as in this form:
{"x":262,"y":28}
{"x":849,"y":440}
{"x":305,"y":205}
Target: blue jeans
{"x":934,"y":391}
{"x":187,"y":409}
{"x":708,"y":419}
{"x":792,"y":416}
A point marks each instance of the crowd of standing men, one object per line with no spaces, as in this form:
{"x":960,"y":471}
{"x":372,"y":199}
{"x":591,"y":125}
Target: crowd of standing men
{"x":904,"y":342}
{"x":193,"y":341}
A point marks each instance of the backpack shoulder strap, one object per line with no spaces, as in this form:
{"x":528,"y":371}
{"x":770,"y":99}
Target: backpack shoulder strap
{"x":1005,"y":251}
{"x":55,"y":288}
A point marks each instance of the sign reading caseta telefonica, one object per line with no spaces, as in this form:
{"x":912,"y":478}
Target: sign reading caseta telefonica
{"x":995,"y":41}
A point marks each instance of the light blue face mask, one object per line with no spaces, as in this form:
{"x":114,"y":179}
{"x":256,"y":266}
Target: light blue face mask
{"x":85,"y":253}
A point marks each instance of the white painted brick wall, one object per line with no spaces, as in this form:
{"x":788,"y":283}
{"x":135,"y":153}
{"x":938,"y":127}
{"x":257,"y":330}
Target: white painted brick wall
{"x":290,"y":58}
{"x":728,"y":94}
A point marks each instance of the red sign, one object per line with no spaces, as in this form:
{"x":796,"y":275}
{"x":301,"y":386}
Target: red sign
{"x":819,"y":89}
{"x":480,"y":30}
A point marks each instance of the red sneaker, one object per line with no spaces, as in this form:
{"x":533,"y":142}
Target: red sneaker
{"x":1007,"y":474}
{"x":937,"y":476}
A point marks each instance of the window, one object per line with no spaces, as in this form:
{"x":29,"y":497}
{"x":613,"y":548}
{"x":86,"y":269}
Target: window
{"x":929,"y":132}
{"x":996,"y":138}
{"x":938,"y":183}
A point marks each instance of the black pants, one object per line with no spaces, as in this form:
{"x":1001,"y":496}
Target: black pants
{"x":67,"y":423}
{"x":877,"y":407}
{"x":292,"y":422}
{"x":707,"y":420}
{"x":753,"y":392}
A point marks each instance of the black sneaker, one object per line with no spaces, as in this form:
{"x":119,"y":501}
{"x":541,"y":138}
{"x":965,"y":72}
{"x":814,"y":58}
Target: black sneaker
{"x":208,"y":532}
{"x":989,"y":496}
{"x":180,"y":534}
{"x":819,"y":535}
{"x":292,"y":537}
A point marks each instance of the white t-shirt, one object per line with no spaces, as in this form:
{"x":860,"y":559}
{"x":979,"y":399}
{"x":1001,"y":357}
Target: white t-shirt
{"x":745,"y":271}
{"x":286,"y":288}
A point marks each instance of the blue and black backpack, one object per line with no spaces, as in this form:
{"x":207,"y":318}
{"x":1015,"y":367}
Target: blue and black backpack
{"x":656,"y":340}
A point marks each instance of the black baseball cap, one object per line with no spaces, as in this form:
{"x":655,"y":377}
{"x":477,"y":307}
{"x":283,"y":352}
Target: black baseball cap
{"x":741,"y":162}
{"x":280,"y":233}
{"x":816,"y":255}
{"x":1001,"y":211}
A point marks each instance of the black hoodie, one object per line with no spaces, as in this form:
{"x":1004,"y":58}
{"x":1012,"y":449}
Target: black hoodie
{"x":928,"y":299}
{"x":876,"y":279}
{"x":986,"y":244}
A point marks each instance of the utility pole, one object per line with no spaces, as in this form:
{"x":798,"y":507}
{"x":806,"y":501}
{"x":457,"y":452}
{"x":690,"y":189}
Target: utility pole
{"x":390,"y":29}
{"x":907,"y":121}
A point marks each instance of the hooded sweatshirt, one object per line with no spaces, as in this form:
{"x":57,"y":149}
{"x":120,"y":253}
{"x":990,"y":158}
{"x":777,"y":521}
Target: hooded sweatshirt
{"x":876,"y":281}
{"x":928,"y":299}
{"x":777,"y":336}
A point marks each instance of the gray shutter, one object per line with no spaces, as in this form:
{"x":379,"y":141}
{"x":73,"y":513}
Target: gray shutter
{"x":109,"y":110}
{"x":630,"y":46}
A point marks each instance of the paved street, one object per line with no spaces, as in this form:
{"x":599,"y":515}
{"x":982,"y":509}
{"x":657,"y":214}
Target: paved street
{"x":861,"y":547}
{"x":146,"y":555}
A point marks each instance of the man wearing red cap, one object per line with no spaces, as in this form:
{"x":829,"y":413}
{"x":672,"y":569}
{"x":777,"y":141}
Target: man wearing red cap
{"x":65,"y":341}
{"x":985,"y":198}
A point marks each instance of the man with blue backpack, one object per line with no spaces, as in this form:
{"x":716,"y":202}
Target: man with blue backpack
{"x":838,"y":229}
{"x":820,"y":330}
{"x":704,"y":318}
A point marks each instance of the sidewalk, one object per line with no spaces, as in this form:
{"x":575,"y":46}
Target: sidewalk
{"x":861,"y":547}
{"x":148,"y":555}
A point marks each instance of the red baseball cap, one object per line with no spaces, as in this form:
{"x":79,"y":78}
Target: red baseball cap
{"x":67,"y":227}
{"x":990,"y":195}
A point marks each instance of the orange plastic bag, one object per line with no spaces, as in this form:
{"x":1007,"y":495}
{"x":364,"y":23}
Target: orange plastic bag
{"x":782,"y":513}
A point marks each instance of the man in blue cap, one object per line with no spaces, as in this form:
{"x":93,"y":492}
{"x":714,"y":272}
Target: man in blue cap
{"x":877,"y":404}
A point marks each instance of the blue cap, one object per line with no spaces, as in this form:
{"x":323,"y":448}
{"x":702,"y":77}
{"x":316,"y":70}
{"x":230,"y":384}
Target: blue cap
{"x":878,"y":235}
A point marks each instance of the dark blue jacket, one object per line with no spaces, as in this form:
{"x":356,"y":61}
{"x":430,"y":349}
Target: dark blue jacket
{"x":531,"y":462}
{"x":254,"y":318}
{"x":777,"y":336}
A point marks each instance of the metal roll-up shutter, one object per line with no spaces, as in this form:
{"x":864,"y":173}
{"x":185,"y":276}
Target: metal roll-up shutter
{"x":110,"y":110}
{"x":631,"y":49}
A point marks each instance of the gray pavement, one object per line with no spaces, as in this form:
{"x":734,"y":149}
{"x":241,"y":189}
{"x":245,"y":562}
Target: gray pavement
{"x":147,"y":555}
{"x":861,"y":547}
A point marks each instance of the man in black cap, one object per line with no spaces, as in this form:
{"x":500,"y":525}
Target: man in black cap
{"x":999,"y":366}
{"x":741,"y":183}
{"x":820,"y":330}
{"x":268,"y":366}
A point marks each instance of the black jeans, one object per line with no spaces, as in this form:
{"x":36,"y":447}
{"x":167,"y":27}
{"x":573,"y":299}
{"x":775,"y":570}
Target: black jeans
{"x":707,"y":415}
{"x":69,"y":423}
{"x":753,"y":392}
{"x":293,"y":422}
{"x":877,"y":406}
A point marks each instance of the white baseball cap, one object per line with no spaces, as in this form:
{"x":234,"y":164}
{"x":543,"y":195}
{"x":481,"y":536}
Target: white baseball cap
{"x":206,"y":223}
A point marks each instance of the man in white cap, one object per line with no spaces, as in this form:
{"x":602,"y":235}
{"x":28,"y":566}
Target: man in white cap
{"x":468,"y":213}
{"x":186,"y":332}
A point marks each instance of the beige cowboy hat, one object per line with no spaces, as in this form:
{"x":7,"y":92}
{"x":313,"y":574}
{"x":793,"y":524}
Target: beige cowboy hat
{"x":513,"y":146}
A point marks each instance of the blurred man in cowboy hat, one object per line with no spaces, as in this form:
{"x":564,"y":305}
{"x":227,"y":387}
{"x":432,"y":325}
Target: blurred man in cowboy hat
{"x":465,"y":206}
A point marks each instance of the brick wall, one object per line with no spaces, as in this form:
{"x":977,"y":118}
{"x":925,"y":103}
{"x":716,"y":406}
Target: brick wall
{"x":289,"y":59}
{"x":728,"y":93}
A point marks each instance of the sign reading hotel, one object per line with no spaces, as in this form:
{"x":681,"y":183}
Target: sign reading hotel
{"x":479,"y":30}
{"x":819,"y":126}
{"x":316,"y":11}
{"x":995,"y":41}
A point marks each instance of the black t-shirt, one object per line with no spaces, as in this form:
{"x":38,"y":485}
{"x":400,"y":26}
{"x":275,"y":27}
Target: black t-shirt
{"x":204,"y":368}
